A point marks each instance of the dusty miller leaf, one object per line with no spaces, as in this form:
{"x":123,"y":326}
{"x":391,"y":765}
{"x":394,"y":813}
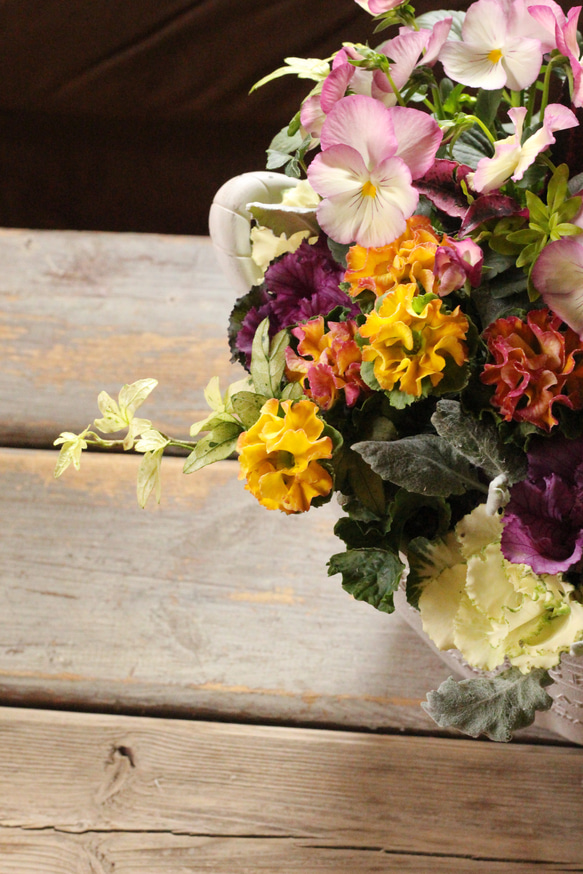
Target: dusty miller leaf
{"x":479,"y":442}
{"x":425,"y":464}
{"x":494,"y":706}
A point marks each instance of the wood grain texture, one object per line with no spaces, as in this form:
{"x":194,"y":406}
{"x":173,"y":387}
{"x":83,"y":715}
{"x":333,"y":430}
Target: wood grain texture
{"x":86,"y":773}
{"x":86,"y":311}
{"x":206,"y":604}
{"x":49,"y":852}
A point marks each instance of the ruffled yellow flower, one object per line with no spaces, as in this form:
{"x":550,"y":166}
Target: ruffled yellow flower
{"x":407,"y":346}
{"x":410,"y":258}
{"x":279,"y":456}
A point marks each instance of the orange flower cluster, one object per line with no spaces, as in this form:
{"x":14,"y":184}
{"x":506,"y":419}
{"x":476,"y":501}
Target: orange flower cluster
{"x":410,"y":258}
{"x":410,"y":340}
{"x":328,"y":362}
{"x":279,"y":456}
{"x":537,"y":363}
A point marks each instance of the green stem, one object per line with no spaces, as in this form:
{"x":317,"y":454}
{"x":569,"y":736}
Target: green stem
{"x":484,"y":127}
{"x":396,"y":91}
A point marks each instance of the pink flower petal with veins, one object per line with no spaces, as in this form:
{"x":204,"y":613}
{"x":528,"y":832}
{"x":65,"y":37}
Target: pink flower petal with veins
{"x":558,"y":276}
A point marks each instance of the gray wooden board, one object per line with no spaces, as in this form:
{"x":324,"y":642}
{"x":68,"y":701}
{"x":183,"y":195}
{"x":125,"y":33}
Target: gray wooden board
{"x":205,"y":604}
{"x":129,"y":792}
{"x":86,"y":311}
{"x":25,"y":851}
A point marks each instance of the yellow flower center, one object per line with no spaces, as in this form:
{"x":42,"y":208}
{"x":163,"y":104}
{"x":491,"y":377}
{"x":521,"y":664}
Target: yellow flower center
{"x":494,"y":56}
{"x":368,"y":189}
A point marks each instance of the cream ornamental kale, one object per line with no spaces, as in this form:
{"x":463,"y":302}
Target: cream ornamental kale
{"x":543,"y":521}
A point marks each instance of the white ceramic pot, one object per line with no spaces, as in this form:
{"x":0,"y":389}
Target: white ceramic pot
{"x":229,"y":223}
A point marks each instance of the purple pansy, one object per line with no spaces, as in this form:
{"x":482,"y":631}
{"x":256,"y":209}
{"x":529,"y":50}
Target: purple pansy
{"x":543,"y":521}
{"x":299,"y":286}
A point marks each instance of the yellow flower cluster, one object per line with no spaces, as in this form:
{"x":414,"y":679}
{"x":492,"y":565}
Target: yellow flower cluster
{"x":279,"y":456}
{"x":410,"y":258}
{"x":409,"y":343}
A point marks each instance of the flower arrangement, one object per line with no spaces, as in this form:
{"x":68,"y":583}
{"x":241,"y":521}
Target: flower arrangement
{"x":414,"y":340}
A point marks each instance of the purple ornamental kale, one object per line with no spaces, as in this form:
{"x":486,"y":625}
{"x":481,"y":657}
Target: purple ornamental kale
{"x":543,"y":521}
{"x":298,"y":287}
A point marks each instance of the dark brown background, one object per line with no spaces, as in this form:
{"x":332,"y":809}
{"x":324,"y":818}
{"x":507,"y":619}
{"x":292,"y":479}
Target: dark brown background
{"x":129,"y":114}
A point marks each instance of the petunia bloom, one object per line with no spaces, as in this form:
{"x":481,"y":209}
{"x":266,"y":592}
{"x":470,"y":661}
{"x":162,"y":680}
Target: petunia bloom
{"x":511,"y":157}
{"x":558,"y":276}
{"x":491,"y":609}
{"x":410,"y":341}
{"x":370,"y":155}
{"x":543,"y":521}
{"x":537,"y":364}
{"x":328,"y":362}
{"x":495,"y":50}
{"x":280,"y":454}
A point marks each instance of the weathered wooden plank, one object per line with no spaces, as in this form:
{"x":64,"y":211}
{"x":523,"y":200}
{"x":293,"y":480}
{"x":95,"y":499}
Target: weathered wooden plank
{"x":48,"y":852}
{"x":85,"y":311}
{"x":84,"y":773}
{"x":205,"y":604}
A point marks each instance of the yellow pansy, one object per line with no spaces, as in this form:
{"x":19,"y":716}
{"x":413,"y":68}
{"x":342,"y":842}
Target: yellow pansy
{"x":408,"y":346}
{"x":279,"y":456}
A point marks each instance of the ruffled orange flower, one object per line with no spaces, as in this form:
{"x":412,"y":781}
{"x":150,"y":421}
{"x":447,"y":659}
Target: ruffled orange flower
{"x":328,"y":362}
{"x":279,"y":456}
{"x":537,"y":363}
{"x":410,"y":258}
{"x":410,"y":341}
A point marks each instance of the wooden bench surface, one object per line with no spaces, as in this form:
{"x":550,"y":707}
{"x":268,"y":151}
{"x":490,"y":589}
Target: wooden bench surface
{"x":229,"y":687}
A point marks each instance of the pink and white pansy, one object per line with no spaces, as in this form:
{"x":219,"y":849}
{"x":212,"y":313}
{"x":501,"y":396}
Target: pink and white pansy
{"x":377,"y":7}
{"x":568,"y":45}
{"x":558,"y":276}
{"x":495,"y":50}
{"x":370,"y":156}
{"x":511,"y":157}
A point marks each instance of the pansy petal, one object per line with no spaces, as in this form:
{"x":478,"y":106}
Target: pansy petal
{"x":522,"y":61}
{"x":462,"y":64}
{"x":363,"y":123}
{"x":337,"y":170}
{"x":485,"y":25}
{"x":558,"y":276}
{"x":418,"y":137}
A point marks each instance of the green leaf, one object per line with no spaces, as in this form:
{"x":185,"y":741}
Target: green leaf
{"x":370,"y":575}
{"x":425,"y":464}
{"x":284,"y":219}
{"x":216,"y":446}
{"x":494,"y":706}
{"x":487,"y":104}
{"x":479,"y":442}
{"x":292,"y":391}
{"x":149,"y":477}
{"x":72,"y":445}
{"x":247,"y":406}
{"x":268,"y":360}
